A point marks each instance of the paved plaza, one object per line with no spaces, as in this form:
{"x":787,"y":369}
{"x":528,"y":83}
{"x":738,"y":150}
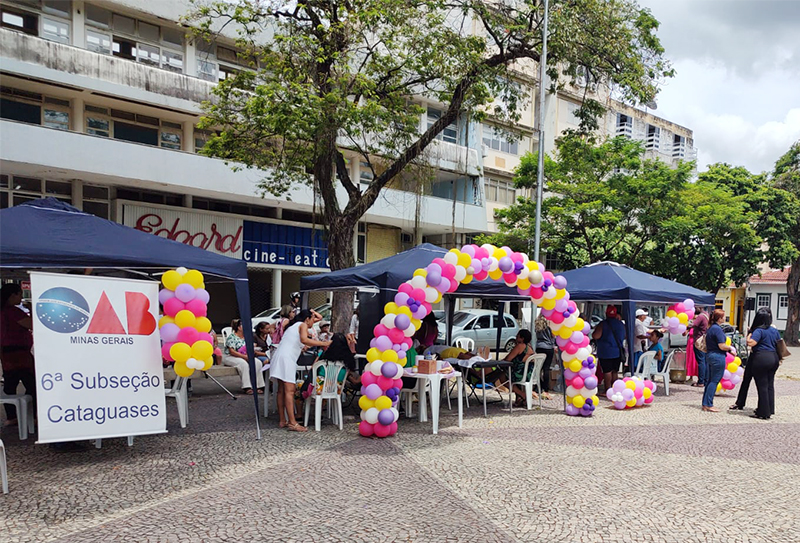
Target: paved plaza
{"x":664,"y":473}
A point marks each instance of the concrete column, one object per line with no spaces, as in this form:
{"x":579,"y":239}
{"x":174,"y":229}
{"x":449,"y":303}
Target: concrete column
{"x":78,"y":37}
{"x":187,"y":143}
{"x":77,"y":193}
{"x":187,"y":200}
{"x":76,"y":115}
{"x":278,"y":213}
{"x":277,"y":280}
{"x":190,"y":58}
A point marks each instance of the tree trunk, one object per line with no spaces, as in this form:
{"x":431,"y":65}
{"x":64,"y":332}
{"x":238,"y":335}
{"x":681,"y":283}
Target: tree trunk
{"x":340,"y":254}
{"x":792,"y":333}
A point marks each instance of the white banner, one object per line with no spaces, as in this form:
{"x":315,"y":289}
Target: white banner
{"x":98,"y":357}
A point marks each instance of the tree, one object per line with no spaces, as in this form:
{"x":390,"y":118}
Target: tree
{"x":786,"y":176}
{"x":342,"y":75}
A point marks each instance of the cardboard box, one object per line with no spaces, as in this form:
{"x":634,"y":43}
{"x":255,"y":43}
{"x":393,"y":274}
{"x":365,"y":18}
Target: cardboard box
{"x":426,"y":366}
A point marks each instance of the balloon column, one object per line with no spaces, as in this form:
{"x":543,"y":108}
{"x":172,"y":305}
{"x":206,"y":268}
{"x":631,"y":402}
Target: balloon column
{"x":631,"y":392}
{"x":403,"y":317}
{"x":679,"y":316}
{"x":185,"y":337}
{"x":733,"y":370}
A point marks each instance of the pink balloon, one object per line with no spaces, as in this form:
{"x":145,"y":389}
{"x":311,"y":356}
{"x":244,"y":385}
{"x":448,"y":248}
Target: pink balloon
{"x":516,"y":257}
{"x":453,"y":286}
{"x":577,"y":382}
{"x":571,"y":348}
{"x":172,"y":306}
{"x":480,"y":276}
{"x":380,"y":330}
{"x":368,"y":378}
{"x":409,"y":342}
{"x":385,"y":382}
{"x":405,"y":287}
{"x":536,"y":292}
{"x":679,"y":308}
{"x":381,"y":430}
{"x":393,"y":428}
{"x":396,"y":335}
{"x":638,"y":393}
{"x":557,"y":317}
{"x":448,"y":271}
{"x":188,"y":336}
{"x":585,"y":342}
{"x":649,"y":400}
{"x":418,"y":294}
{"x":510,"y":278}
{"x":366,"y":429}
{"x":199,"y":308}
{"x":165,"y":351}
{"x":398,"y":383}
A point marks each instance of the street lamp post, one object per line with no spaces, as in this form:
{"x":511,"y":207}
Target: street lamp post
{"x":540,"y":168}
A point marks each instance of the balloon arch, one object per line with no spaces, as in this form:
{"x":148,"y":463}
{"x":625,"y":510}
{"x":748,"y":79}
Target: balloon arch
{"x":402,"y":318}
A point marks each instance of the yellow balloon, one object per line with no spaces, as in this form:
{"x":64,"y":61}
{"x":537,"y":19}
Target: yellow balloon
{"x":373,"y":354}
{"x":523,"y":283}
{"x":499,"y":253}
{"x":719,"y":388}
{"x":438,"y":297}
{"x":464,"y":260}
{"x":595,"y":400}
{"x":549,"y":303}
{"x":727,"y":341}
{"x":417,"y":323}
{"x":737,"y":361}
{"x":732,"y":367}
{"x":185,"y":319}
{"x":181,"y":369}
{"x":365,"y":403}
{"x":383,"y":402}
{"x":207,"y":363}
{"x":646,"y":393}
{"x":575,"y":365}
{"x":421,"y":272}
{"x":532,"y":265}
{"x":671,"y":313}
{"x":203,"y":325}
{"x":180,"y":352}
{"x":171,"y":279}
{"x":578,"y":401}
{"x":390,"y":308}
{"x":194,"y":278}
{"x":389,"y":355}
{"x":579,"y":324}
{"x":565,"y":332}
{"x":630,"y":384}
{"x":202,"y":350}
{"x":560,"y":293}
{"x":496,"y":274}
{"x":467,"y":279}
{"x":165,"y":320}
{"x":683,"y":318}
{"x":631,"y":402}
{"x":405,"y":310}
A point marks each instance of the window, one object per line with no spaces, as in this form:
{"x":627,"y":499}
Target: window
{"x":55,"y":30}
{"x":509,"y":322}
{"x":201,"y":137}
{"x":99,"y":42}
{"x":361,"y":243}
{"x":98,"y":16}
{"x":206,"y":70}
{"x":124,"y":48}
{"x":499,"y":141}
{"x":483,"y":322}
{"x":171,"y":135}
{"x":365,"y":175}
{"x":624,"y":125}
{"x":678,"y":146}
{"x":32,"y":108}
{"x":763,"y":300}
{"x":149,"y":54}
{"x":56,"y":113}
{"x":551,"y":261}
{"x":20,"y":20}
{"x":57,"y":7}
{"x":653,"y":136}
{"x":499,"y":190}
{"x":15,"y":190}
{"x":450,"y":132}
{"x":172,"y":61}
{"x":107,"y":123}
{"x":783,"y":306}
{"x":97,"y":121}
{"x":96,"y":200}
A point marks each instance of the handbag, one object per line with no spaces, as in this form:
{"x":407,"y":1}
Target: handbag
{"x":700,"y":344}
{"x":783,"y":352}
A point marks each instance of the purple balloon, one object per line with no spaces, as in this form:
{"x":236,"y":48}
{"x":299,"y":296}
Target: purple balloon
{"x":386,"y":417}
{"x":401,"y":354}
{"x":569,"y":374}
{"x":169,"y":332}
{"x":383,"y":343}
{"x":443,"y":285}
{"x":506,"y":264}
{"x":434,"y":278}
{"x":420,"y":313}
{"x":363,"y":390}
{"x":619,"y":385}
{"x":561,"y":305}
{"x":609,"y":393}
{"x":619,"y":405}
{"x":559,"y":281}
{"x":184,"y":292}
{"x":571,"y":410}
{"x":202,"y":295}
{"x":590,"y":382}
{"x":469,"y":249}
{"x":164,"y":295}
{"x":401,"y":298}
{"x":434,"y":267}
{"x":372,"y":344}
{"x":587,"y":328}
{"x":373,"y":391}
{"x":585,"y":373}
{"x":561,"y":342}
{"x":389,"y":370}
{"x":402,"y":321}
{"x":577,"y":337}
{"x":627,"y":394}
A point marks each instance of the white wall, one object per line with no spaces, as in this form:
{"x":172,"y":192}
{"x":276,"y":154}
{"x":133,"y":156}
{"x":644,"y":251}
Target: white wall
{"x":775,"y":291}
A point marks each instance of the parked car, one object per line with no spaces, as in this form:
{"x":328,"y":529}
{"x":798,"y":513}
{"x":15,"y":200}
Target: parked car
{"x":481,"y":326}
{"x":269,"y":316}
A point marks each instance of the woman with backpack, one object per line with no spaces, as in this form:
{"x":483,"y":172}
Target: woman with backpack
{"x":609,"y":336}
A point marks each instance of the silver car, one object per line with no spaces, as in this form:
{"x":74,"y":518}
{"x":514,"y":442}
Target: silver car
{"x":481,"y":325}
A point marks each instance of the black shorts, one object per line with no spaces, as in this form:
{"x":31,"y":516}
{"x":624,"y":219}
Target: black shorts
{"x":610,"y":364}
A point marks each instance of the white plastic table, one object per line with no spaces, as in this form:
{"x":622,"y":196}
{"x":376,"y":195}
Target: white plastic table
{"x":435,"y":379}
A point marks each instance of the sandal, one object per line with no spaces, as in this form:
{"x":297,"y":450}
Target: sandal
{"x":248,"y":391}
{"x":296,"y":428}
{"x":546,"y":396}
{"x":10,"y":422}
{"x":260,"y":391}
{"x":283,"y":424}
{"x":711,"y":409}
{"x":735,"y":407}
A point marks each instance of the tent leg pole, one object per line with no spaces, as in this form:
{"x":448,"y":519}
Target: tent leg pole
{"x":220,"y":385}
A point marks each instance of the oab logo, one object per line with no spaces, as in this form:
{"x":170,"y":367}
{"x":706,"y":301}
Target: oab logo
{"x":66,"y":311}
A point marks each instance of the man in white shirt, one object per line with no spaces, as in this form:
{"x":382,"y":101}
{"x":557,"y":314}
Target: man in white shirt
{"x":640,"y":331}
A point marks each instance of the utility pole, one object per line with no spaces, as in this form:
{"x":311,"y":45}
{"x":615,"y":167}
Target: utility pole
{"x":540,"y":168}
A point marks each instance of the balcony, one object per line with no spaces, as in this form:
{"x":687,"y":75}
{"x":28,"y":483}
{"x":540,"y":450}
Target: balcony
{"x":33,"y":57}
{"x":625,"y":129}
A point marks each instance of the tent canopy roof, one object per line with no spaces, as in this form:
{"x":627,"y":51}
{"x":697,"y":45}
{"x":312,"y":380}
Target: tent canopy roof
{"x":612,"y":282}
{"x":47,"y":233}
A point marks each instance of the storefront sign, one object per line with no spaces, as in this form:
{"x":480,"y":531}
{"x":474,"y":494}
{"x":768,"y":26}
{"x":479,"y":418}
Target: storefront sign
{"x":98,"y":357}
{"x":284,"y":245}
{"x":218,"y":234}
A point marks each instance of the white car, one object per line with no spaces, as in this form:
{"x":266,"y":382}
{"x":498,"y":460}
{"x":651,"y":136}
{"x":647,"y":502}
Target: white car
{"x":481,"y":326}
{"x":269,"y":316}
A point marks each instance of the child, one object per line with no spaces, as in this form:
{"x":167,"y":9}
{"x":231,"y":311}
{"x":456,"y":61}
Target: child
{"x":325,"y":331}
{"x":654,"y":338}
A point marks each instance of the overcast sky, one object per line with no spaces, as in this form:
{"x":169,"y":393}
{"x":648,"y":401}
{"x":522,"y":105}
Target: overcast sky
{"x":738,"y":76}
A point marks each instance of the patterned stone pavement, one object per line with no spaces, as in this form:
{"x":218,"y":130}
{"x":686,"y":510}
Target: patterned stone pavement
{"x":664,"y":473}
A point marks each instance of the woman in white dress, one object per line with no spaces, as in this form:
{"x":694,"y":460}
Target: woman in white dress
{"x":283,"y":367}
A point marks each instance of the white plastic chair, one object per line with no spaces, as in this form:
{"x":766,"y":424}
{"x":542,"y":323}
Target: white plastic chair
{"x":330,"y":391}
{"x":24,"y":405}
{"x":178,"y":391}
{"x":646,"y":365}
{"x":407,"y":396}
{"x":465,"y":343}
{"x":225,"y":333}
{"x":534,"y":380}
{"x":3,"y":468}
{"x":664,"y":373}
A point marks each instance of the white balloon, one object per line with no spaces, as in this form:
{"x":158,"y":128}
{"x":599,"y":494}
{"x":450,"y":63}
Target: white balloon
{"x":400,"y":371}
{"x":588,"y":393}
{"x":371,"y":416}
{"x":470,"y":270}
{"x":493,"y":264}
{"x":431,"y":294}
{"x":571,"y":391}
{"x":418,"y":282}
{"x":541,"y":267}
{"x":388,"y":320}
{"x":583,"y":353}
{"x":181,"y":270}
{"x":363,"y":415}
{"x":550,"y":293}
{"x":537,"y":301}
{"x":566,"y":357}
{"x":571,"y":321}
{"x":408,"y":332}
{"x":535,"y":277}
{"x":375,"y":367}
{"x":451,"y":258}
{"x":396,"y":413}
{"x":488,"y":247}
{"x":461,"y":273}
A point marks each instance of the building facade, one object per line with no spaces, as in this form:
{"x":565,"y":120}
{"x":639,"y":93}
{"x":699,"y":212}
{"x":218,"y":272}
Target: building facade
{"x":99,"y":106}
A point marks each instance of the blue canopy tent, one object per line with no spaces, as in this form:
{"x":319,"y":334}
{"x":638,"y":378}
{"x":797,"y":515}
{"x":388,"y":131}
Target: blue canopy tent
{"x":610,"y":282}
{"x":47,"y":233}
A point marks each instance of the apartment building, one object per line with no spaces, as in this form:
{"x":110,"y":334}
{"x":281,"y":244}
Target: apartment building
{"x":99,"y":106}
